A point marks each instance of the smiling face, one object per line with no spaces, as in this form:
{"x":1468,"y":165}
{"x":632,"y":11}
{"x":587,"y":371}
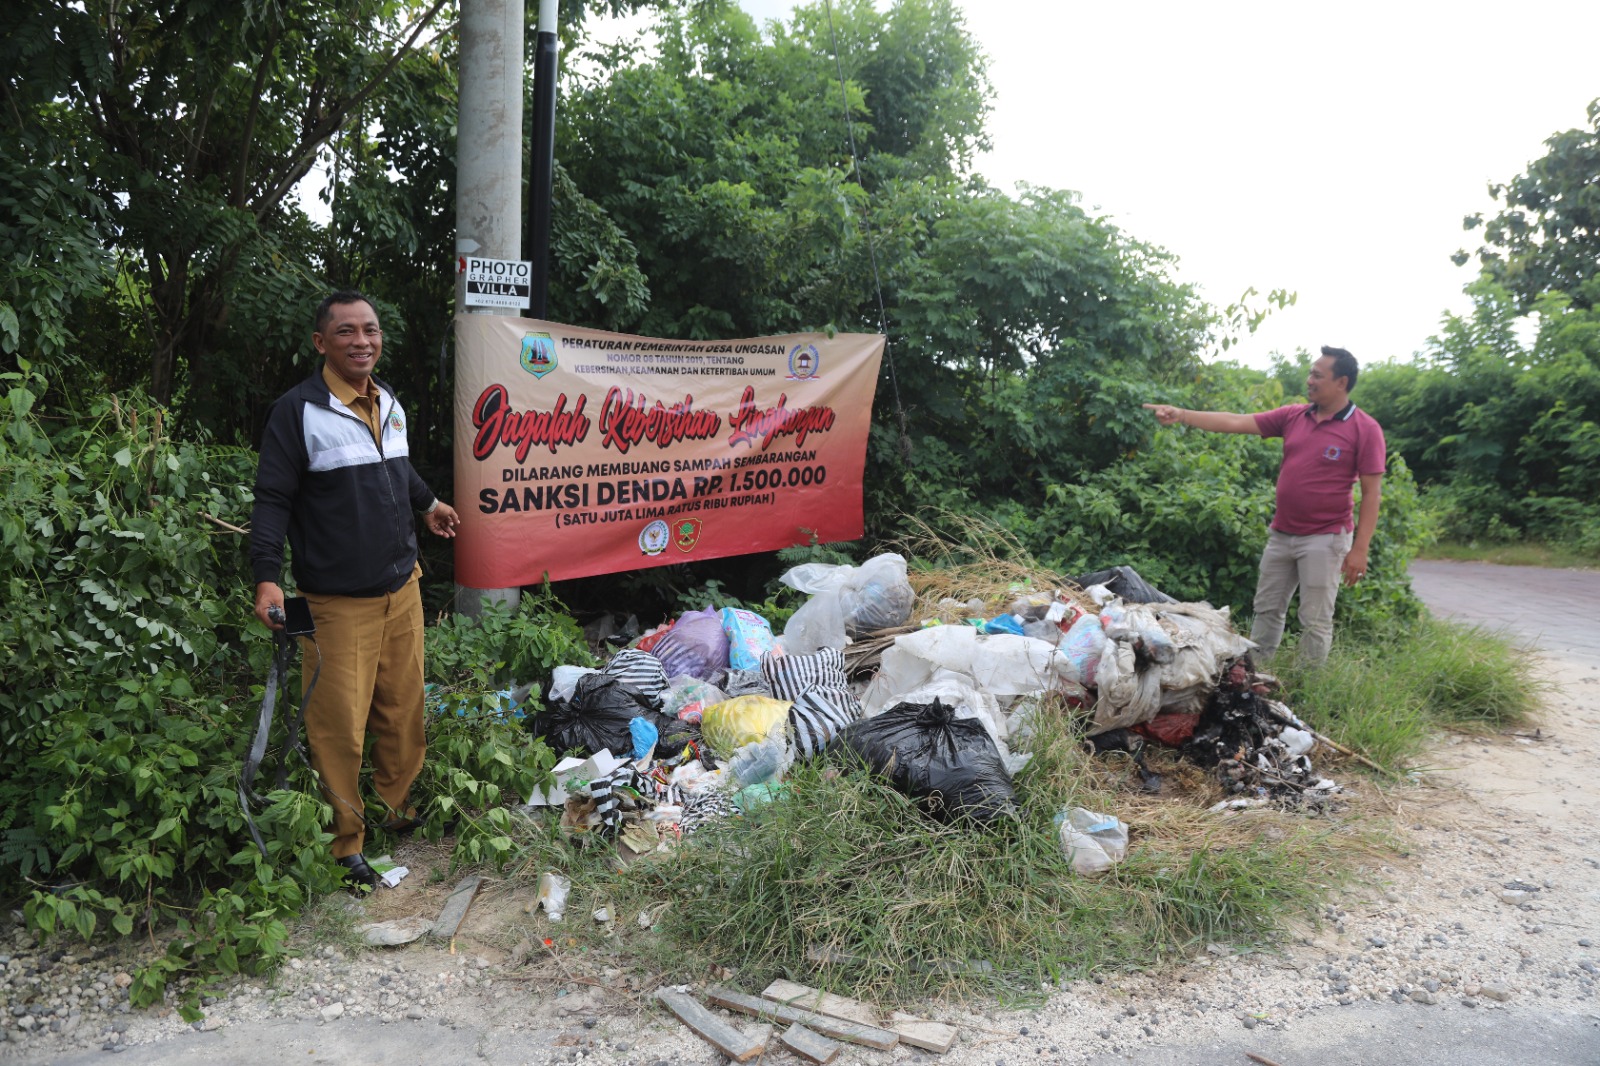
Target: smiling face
{"x":1323,"y":389}
{"x":351,"y":341}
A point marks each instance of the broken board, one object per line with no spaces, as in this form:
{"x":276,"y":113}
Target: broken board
{"x":814,"y":999}
{"x":929,"y":1036}
{"x":866,"y":1035}
{"x":708,"y":1027}
{"x":455,"y":908}
{"x":808,"y":1045}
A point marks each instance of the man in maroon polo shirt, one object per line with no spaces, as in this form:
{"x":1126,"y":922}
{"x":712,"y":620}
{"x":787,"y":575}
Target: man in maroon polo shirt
{"x":1328,"y":445}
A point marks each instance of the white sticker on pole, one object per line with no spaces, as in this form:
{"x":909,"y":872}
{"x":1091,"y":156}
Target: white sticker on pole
{"x":496,"y":282}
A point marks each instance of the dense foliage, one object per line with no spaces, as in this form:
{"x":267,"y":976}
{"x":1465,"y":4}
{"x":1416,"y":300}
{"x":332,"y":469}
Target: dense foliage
{"x":1503,"y":435}
{"x":128,"y":697}
{"x":722,"y":184}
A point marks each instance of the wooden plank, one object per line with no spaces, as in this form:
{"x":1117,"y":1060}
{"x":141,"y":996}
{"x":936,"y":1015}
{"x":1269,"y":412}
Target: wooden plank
{"x":808,"y":1045}
{"x":455,"y":907}
{"x":867,"y":1035}
{"x":930,"y":1036}
{"x":708,"y":1027}
{"x":814,"y":999}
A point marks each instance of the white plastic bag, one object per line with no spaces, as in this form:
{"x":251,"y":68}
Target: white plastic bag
{"x":564,"y":681}
{"x":553,"y":891}
{"x":1092,"y":843}
{"x":846,"y":601}
{"x":1002,"y":664}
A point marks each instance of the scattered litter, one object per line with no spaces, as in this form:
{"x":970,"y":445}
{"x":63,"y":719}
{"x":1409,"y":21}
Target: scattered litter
{"x":574,"y":771}
{"x":1092,"y":843}
{"x":390,"y":872}
{"x":395,"y":932}
{"x":553,"y":892}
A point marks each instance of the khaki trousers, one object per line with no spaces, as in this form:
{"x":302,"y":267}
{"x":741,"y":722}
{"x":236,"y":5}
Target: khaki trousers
{"x":371,"y":682}
{"x":1311,"y":563}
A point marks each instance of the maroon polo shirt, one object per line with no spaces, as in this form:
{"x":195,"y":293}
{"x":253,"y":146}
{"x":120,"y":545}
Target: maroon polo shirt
{"x":1321,"y":463}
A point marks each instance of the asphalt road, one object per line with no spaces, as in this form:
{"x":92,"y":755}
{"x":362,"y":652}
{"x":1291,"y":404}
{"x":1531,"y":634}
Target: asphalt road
{"x":1557,"y":611}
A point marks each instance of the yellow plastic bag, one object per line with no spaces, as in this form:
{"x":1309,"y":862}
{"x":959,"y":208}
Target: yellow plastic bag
{"x":731,"y":724}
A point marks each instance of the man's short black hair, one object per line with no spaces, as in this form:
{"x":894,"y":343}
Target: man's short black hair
{"x":343,"y":296}
{"x":1344,"y":366}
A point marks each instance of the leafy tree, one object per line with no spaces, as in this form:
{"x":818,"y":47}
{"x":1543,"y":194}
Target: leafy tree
{"x":190,"y":124}
{"x":1503,"y":436}
{"x":1547,"y":237}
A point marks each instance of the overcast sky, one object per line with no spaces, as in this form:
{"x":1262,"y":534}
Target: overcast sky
{"x":1331,"y":149}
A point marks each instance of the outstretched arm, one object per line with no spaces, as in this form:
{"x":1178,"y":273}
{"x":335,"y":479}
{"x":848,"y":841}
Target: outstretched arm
{"x":1214,"y":421}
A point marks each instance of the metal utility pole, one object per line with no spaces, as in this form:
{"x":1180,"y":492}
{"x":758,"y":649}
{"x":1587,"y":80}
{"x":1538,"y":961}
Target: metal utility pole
{"x":542,"y":156}
{"x":489,"y":169}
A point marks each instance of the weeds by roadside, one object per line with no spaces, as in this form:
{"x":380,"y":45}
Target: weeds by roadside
{"x":843,"y":880}
{"x":1519,"y":553}
{"x":1387,"y":691}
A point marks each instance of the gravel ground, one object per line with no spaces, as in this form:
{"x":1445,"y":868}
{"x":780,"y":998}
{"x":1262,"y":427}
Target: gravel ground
{"x":1491,"y":904}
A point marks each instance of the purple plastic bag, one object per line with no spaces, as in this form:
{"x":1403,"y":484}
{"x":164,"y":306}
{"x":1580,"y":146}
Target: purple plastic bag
{"x":696,"y":646}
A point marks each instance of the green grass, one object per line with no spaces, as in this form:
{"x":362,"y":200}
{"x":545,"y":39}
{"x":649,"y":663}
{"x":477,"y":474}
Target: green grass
{"x":1521,"y":553}
{"x":1387,"y":693}
{"x":903,"y":907}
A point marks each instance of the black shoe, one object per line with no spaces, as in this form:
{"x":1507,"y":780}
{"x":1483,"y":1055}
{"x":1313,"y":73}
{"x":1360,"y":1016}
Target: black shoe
{"x":359,"y":876}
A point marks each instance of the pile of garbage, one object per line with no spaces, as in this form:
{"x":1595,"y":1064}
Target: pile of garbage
{"x":702,"y":718}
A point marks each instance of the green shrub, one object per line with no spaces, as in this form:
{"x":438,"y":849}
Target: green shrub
{"x":127,"y":702}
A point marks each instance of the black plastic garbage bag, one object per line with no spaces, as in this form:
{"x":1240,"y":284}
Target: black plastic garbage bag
{"x":597,"y":717}
{"x":1125,"y":582}
{"x":949,"y":764}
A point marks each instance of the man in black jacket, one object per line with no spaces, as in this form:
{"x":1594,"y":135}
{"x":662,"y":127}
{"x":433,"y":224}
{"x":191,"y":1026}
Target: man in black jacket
{"x":335,"y":477}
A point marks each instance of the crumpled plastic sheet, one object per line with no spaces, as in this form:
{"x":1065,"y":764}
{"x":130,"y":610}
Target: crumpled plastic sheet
{"x":1196,"y":639}
{"x":1001,"y":665}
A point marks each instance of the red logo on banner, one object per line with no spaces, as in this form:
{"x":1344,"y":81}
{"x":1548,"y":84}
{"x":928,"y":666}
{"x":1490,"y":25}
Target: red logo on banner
{"x":686,"y":533}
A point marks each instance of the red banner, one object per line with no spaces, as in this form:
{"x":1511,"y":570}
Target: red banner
{"x":580,"y":452}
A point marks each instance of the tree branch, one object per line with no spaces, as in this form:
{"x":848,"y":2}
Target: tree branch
{"x":249,"y":134}
{"x":312,"y":141}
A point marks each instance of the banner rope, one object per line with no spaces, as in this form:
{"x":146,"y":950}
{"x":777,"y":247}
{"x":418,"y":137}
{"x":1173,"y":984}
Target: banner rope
{"x":872,"y":245}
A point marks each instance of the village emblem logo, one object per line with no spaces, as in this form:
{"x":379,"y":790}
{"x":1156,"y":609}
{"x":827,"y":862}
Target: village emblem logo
{"x":1331,"y":452}
{"x":396,"y":423}
{"x":805,"y":362}
{"x":538,"y":354}
{"x":688,"y":533}
{"x":653,"y":539}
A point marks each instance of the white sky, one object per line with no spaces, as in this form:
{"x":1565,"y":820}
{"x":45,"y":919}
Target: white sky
{"x":1331,"y":149}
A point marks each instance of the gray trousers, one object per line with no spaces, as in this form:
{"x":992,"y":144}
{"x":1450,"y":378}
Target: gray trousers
{"x":1312,"y":564}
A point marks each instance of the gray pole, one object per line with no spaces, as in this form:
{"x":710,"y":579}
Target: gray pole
{"x":542,"y":156}
{"x":488,"y":170}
